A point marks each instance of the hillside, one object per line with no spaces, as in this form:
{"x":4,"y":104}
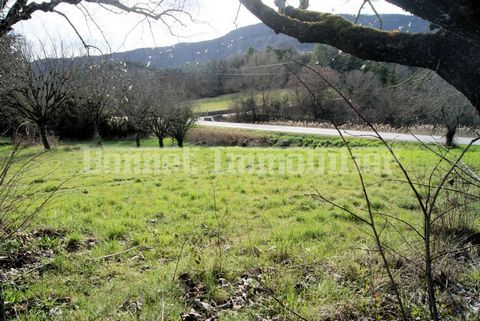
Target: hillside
{"x":238,"y":41}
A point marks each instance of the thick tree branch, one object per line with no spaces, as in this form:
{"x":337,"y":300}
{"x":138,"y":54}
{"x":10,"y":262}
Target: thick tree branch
{"x":364,"y":42}
{"x":21,"y":11}
{"x":461,"y":17}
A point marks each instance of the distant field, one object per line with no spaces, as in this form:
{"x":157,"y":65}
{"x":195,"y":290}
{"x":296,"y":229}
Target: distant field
{"x":216,"y":103}
{"x":224,"y":102}
{"x":204,"y":213}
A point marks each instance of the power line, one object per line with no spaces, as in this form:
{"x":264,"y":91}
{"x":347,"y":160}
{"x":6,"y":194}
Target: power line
{"x":271,"y":65}
{"x":204,"y":74}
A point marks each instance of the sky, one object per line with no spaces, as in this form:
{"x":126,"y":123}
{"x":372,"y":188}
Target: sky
{"x":214,"y":18}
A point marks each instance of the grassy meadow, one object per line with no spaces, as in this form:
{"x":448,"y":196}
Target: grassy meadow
{"x":225,"y":102}
{"x":216,"y":104}
{"x":127,"y":225}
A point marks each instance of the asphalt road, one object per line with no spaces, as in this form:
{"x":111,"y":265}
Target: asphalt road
{"x":332,"y":132}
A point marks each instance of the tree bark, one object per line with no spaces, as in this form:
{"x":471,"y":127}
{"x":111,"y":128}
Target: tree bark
{"x":160,"y":142}
{"x":97,"y":138}
{"x":180,"y":141}
{"x":451,"y":131}
{"x":137,"y":140}
{"x":44,"y":137}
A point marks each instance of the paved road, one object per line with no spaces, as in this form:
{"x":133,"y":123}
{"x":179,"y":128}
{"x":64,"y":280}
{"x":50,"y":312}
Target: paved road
{"x":333,"y":132}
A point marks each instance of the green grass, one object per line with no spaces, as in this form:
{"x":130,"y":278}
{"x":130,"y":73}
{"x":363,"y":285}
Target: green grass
{"x":225,"y":102}
{"x":216,"y":103}
{"x":265,"y":219}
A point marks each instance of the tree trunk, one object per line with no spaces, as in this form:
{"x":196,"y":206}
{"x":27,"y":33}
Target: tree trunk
{"x":449,"y":136}
{"x":137,"y":140}
{"x":180,"y":142}
{"x":160,"y":142}
{"x":44,"y":137}
{"x":97,"y":139}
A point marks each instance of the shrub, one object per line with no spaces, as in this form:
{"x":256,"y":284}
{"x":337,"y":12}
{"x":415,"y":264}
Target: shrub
{"x":220,"y":137}
{"x":20,"y":203}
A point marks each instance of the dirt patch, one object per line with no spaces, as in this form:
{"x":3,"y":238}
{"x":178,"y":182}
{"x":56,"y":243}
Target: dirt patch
{"x":31,"y":254}
{"x":29,"y":248}
{"x":462,"y":235}
{"x":52,"y":306}
{"x":247,"y":292}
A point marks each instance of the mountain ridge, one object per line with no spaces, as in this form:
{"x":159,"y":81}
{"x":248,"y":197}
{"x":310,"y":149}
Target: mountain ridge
{"x":238,"y":41}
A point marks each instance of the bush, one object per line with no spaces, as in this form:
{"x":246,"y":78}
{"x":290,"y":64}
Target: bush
{"x":20,"y":203}
{"x":220,"y":137}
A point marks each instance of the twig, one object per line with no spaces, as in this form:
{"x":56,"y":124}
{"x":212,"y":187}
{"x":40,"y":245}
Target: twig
{"x":283,"y":305}
{"x":380,"y":20}
{"x":219,"y":238}
{"x":360,"y":11}
{"x":236,"y":16}
{"x":87,"y":46}
{"x":178,"y":260}
{"x":407,"y":80}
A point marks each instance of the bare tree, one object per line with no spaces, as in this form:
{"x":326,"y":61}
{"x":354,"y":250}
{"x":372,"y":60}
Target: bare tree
{"x":157,"y":99}
{"x":182,"y":118}
{"x":161,"y":112}
{"x":429,"y":100}
{"x":95,"y":92}
{"x":262,"y":74}
{"x":40,"y":89}
{"x":450,"y":107}
{"x":318,"y":107}
{"x":452,"y":51}
{"x":135,"y":105}
{"x":149,"y":107}
{"x":371,"y":95}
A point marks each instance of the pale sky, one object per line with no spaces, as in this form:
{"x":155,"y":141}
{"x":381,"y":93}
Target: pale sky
{"x":124,"y":32}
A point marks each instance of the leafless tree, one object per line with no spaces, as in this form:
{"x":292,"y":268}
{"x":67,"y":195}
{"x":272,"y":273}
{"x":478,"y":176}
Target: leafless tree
{"x":371,"y":95}
{"x":428,"y":99}
{"x":318,"y":107}
{"x":40,"y":88}
{"x":134,"y":105}
{"x":95,"y":92}
{"x":450,"y":107}
{"x":160,"y":99}
{"x":161,"y":112}
{"x":182,"y":118}
{"x":262,"y":74}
